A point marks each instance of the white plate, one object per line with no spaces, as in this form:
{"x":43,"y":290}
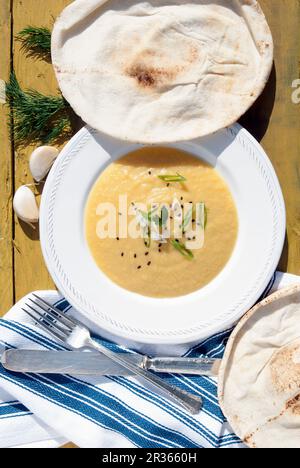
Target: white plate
{"x":129,"y":317}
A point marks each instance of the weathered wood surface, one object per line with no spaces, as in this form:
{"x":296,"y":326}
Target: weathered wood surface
{"x":6,"y":170}
{"x":274,"y":120}
{"x":22,"y":267}
{"x":30,"y":272}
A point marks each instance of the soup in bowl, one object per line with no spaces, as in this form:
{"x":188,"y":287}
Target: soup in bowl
{"x":160,"y":222}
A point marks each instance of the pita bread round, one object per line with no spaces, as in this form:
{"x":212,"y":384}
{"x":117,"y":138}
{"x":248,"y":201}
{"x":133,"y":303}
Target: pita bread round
{"x":161,"y":70}
{"x":259,"y":381}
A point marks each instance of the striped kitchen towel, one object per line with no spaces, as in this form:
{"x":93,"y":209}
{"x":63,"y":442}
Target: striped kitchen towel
{"x":105,"y":412}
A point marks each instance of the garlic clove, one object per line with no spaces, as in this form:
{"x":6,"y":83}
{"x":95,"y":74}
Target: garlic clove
{"x":25,"y":205}
{"x":41,"y":161}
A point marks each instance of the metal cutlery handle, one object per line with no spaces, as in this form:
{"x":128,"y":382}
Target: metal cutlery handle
{"x":191,"y":366}
{"x":80,"y":363}
{"x":188,"y":401}
{"x":73,"y":333}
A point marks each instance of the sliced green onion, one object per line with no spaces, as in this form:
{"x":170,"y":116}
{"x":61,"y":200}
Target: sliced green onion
{"x":164,"y":215}
{"x":144,"y":215}
{"x":147,"y":238}
{"x":147,"y":216}
{"x":188,"y":254}
{"x":162,"y":219}
{"x":150,"y":213}
{"x":147,"y":242}
{"x":187,"y":219}
{"x":172,"y":178}
{"x":205,"y":216}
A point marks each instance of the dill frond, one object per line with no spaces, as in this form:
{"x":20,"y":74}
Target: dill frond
{"x":36,"y":117}
{"x":37,"y":41}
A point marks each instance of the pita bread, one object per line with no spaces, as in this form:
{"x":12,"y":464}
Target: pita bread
{"x":259,"y":381}
{"x":161,"y":70}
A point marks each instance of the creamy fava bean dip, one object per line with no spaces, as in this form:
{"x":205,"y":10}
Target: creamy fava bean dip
{"x":149,"y":188}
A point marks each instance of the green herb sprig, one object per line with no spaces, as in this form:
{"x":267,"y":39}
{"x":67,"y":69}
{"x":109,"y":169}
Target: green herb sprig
{"x":172,"y":178}
{"x":36,"y":117}
{"x":205,"y":216}
{"x":161,"y":220}
{"x":36,"y":40}
{"x":147,"y":237}
{"x":187,"y":219}
{"x":188,"y":254}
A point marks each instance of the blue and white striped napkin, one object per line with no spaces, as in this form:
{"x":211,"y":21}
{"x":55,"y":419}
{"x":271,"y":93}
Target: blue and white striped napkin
{"x":105,"y":412}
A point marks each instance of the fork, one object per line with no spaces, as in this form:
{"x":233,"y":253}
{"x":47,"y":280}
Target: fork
{"x":76,"y":336}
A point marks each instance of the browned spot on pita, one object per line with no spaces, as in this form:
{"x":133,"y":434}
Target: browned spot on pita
{"x":294,"y":404}
{"x":150,"y":77}
{"x":285,"y":372}
{"x":262,"y":46}
{"x":143,"y":76}
{"x":296,"y":410}
{"x":248,"y":440}
{"x":152,"y":68}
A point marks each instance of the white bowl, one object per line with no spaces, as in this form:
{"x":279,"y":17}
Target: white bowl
{"x":127,"y":317}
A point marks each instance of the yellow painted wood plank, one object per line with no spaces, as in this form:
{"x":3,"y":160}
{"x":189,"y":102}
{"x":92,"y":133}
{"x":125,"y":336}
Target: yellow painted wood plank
{"x":275,"y":119}
{"x":6,"y":246}
{"x":30,"y":271}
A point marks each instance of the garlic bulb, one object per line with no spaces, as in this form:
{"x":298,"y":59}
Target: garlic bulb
{"x":41,"y":161}
{"x":25,"y":205}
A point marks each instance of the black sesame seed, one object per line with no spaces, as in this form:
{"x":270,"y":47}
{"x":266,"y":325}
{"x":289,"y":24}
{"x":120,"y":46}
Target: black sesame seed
{"x":149,"y":172}
{"x":149,"y":263}
{"x":168,"y":185}
{"x":181,"y":198}
{"x":135,"y":255}
{"x":182,"y":207}
{"x":146,"y":253}
{"x":139,"y":267}
{"x":193,"y":220}
{"x":118,"y":238}
{"x":122,"y":254}
{"x":159,"y":250}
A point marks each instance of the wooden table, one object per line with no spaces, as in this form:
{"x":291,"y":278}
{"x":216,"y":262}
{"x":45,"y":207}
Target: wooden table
{"x":274,"y":120}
